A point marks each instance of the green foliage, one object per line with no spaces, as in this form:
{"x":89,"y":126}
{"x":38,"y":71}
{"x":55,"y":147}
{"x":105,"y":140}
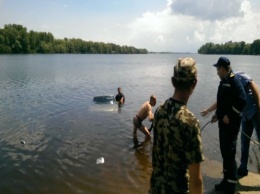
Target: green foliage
{"x":234,"y":48}
{"x":15,"y":39}
{"x":255,"y":47}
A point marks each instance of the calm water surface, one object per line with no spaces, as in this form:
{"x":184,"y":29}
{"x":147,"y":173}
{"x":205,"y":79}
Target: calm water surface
{"x":47,"y":101}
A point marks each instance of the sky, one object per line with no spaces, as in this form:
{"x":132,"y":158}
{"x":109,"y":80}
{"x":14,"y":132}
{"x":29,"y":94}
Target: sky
{"x":156,"y":25}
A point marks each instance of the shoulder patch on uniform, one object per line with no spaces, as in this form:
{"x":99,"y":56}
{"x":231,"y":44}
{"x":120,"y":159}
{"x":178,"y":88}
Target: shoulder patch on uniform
{"x":232,"y":74}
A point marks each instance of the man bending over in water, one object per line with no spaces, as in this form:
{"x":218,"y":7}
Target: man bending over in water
{"x":144,"y":112}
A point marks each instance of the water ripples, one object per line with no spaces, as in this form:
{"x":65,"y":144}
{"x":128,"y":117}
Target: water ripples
{"x":47,"y":102}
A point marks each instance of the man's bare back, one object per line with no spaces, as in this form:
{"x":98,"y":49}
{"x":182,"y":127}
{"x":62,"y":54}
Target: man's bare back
{"x":144,"y":112}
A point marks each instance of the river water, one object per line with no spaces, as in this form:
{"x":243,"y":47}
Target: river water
{"x":52,"y":133}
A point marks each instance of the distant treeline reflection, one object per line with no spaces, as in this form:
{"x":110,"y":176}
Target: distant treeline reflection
{"x":234,"y":48}
{"x":15,"y":39}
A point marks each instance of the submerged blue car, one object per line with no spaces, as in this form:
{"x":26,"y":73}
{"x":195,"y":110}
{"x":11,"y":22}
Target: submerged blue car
{"x":109,"y":99}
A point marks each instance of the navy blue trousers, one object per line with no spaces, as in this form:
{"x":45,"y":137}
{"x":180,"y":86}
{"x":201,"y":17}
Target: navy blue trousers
{"x":228,"y":142}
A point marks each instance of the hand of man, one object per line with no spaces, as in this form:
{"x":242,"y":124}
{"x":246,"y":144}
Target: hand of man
{"x":214,"y":118}
{"x":204,"y":113}
{"x":226,"y":119}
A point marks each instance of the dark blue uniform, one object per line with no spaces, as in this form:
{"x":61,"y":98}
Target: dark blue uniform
{"x":231,"y":100}
{"x":250,"y":121}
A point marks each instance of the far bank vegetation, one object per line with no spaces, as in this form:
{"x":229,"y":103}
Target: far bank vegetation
{"x":14,"y":39}
{"x":232,"y":48}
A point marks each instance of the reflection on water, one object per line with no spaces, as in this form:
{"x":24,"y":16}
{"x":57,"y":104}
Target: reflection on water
{"x":47,"y":102}
{"x":143,"y":152}
{"x":101,"y":107}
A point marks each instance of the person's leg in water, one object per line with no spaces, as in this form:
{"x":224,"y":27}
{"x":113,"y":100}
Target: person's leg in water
{"x":134,"y":130}
{"x":145,"y":131}
{"x":135,"y":142}
{"x":136,"y":124}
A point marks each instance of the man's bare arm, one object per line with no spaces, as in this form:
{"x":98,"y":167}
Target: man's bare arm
{"x":150,"y":113}
{"x":208,"y":110}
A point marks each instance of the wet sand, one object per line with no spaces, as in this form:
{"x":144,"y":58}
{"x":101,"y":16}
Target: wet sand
{"x":212,"y":175}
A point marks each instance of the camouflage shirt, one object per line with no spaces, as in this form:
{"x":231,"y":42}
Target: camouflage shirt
{"x":176,"y":144}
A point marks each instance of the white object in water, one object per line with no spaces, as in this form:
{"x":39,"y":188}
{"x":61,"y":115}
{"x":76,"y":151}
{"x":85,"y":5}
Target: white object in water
{"x":22,"y":142}
{"x":100,"y":160}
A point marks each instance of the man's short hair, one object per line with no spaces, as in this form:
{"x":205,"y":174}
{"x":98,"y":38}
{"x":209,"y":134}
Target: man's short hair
{"x":152,"y":97}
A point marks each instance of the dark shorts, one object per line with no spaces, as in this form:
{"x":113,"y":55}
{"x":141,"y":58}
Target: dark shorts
{"x":137,"y":122}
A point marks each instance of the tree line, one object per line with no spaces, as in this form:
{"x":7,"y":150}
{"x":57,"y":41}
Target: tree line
{"x":234,"y":48}
{"x":14,"y":39}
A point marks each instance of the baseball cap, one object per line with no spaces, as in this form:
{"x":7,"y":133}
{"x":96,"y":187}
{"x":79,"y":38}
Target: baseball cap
{"x":222,"y":61}
{"x":185,"y":69}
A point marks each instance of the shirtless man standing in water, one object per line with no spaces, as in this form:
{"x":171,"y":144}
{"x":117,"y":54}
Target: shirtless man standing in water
{"x":144,"y":112}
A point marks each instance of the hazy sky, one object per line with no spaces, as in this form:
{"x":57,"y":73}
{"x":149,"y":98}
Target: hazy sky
{"x":157,"y":25}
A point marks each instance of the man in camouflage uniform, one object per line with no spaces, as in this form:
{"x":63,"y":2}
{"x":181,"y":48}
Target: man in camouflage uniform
{"x":177,"y":149}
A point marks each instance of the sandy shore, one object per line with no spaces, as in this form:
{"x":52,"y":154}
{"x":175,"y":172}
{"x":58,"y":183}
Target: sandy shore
{"x":212,"y":175}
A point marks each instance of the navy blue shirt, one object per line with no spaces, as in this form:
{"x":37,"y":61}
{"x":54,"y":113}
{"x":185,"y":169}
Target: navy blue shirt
{"x":231,"y":99}
{"x":250,"y":108}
